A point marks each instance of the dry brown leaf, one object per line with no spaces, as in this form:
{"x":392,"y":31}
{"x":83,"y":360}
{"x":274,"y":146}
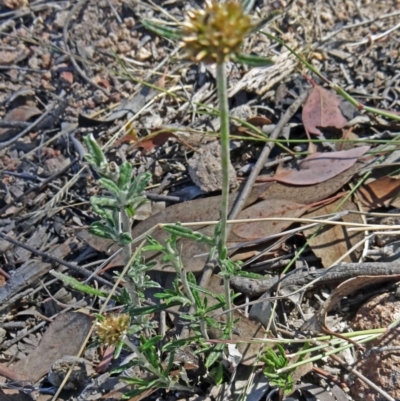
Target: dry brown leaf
{"x":64,"y":336}
{"x":383,"y":192}
{"x":22,"y":114}
{"x":321,"y":109}
{"x":320,"y":167}
{"x":334,"y":241}
{"x":266,"y":208}
{"x":259,"y":121}
{"x":151,"y":141}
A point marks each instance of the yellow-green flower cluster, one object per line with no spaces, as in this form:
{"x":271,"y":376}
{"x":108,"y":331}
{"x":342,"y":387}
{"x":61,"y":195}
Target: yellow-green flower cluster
{"x":113,"y":328}
{"x":215,"y":33}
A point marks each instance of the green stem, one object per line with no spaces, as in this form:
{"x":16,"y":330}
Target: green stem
{"x":127,"y":252}
{"x":325,"y":354}
{"x":225,"y":160}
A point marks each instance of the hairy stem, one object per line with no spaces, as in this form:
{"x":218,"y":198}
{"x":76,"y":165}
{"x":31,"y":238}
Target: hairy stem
{"x":127,"y":251}
{"x":225,"y":159}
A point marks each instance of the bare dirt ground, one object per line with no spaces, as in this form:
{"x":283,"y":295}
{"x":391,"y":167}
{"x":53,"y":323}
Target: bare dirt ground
{"x":69,"y":68}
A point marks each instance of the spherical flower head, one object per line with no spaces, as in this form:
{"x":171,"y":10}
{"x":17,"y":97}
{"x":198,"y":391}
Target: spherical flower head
{"x":113,"y":328}
{"x":215,"y":32}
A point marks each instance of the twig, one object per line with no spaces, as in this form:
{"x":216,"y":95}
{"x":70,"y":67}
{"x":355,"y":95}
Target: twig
{"x":38,"y":187}
{"x":14,"y":124}
{"x":44,"y":255}
{"x":308,"y":279}
{"x":374,"y":38}
{"x":241,"y":200}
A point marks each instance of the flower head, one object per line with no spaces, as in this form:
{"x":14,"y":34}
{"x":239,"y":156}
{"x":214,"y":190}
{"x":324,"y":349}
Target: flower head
{"x":113,"y":328}
{"x":215,"y":32}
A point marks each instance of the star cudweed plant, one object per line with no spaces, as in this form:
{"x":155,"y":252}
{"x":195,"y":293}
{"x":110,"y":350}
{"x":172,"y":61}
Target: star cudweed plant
{"x":215,"y":34}
{"x":118,"y":208}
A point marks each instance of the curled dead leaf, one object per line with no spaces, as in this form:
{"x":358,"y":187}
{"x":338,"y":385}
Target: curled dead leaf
{"x":320,"y":167}
{"x":321,"y":109}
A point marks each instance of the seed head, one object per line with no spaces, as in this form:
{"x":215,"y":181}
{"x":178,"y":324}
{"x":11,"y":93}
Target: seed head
{"x":113,"y":328}
{"x":215,"y":32}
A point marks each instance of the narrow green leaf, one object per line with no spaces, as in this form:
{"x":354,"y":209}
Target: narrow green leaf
{"x":185,"y":232}
{"x":244,"y":273}
{"x":118,"y":349}
{"x":124,"y":238}
{"x":130,"y":211}
{"x":162,"y":30}
{"x":150,"y":342}
{"x":77,"y":285}
{"x":155,"y":247}
{"x":215,"y":354}
{"x":110,"y":186}
{"x":125,"y":175}
{"x":104,"y":201}
{"x":100,"y":230}
{"x":95,"y":151}
{"x":252,"y":61}
{"x":176,"y":344}
{"x":138,"y":185}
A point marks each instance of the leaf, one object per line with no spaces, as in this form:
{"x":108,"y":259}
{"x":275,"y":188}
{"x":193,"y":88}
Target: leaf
{"x":320,"y":167}
{"x":125,"y":175}
{"x":77,"y":285}
{"x":321,"y":109}
{"x":333,"y":241}
{"x":110,"y":186}
{"x":95,"y":151}
{"x":102,"y":231}
{"x":23,"y":114}
{"x":267,"y":208}
{"x":162,"y":30}
{"x":64,"y":336}
{"x":151,"y":141}
{"x":253,"y":61}
{"x":383,"y":192}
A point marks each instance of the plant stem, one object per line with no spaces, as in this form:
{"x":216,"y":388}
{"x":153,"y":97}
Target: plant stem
{"x":225,"y":160}
{"x":127,"y":251}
